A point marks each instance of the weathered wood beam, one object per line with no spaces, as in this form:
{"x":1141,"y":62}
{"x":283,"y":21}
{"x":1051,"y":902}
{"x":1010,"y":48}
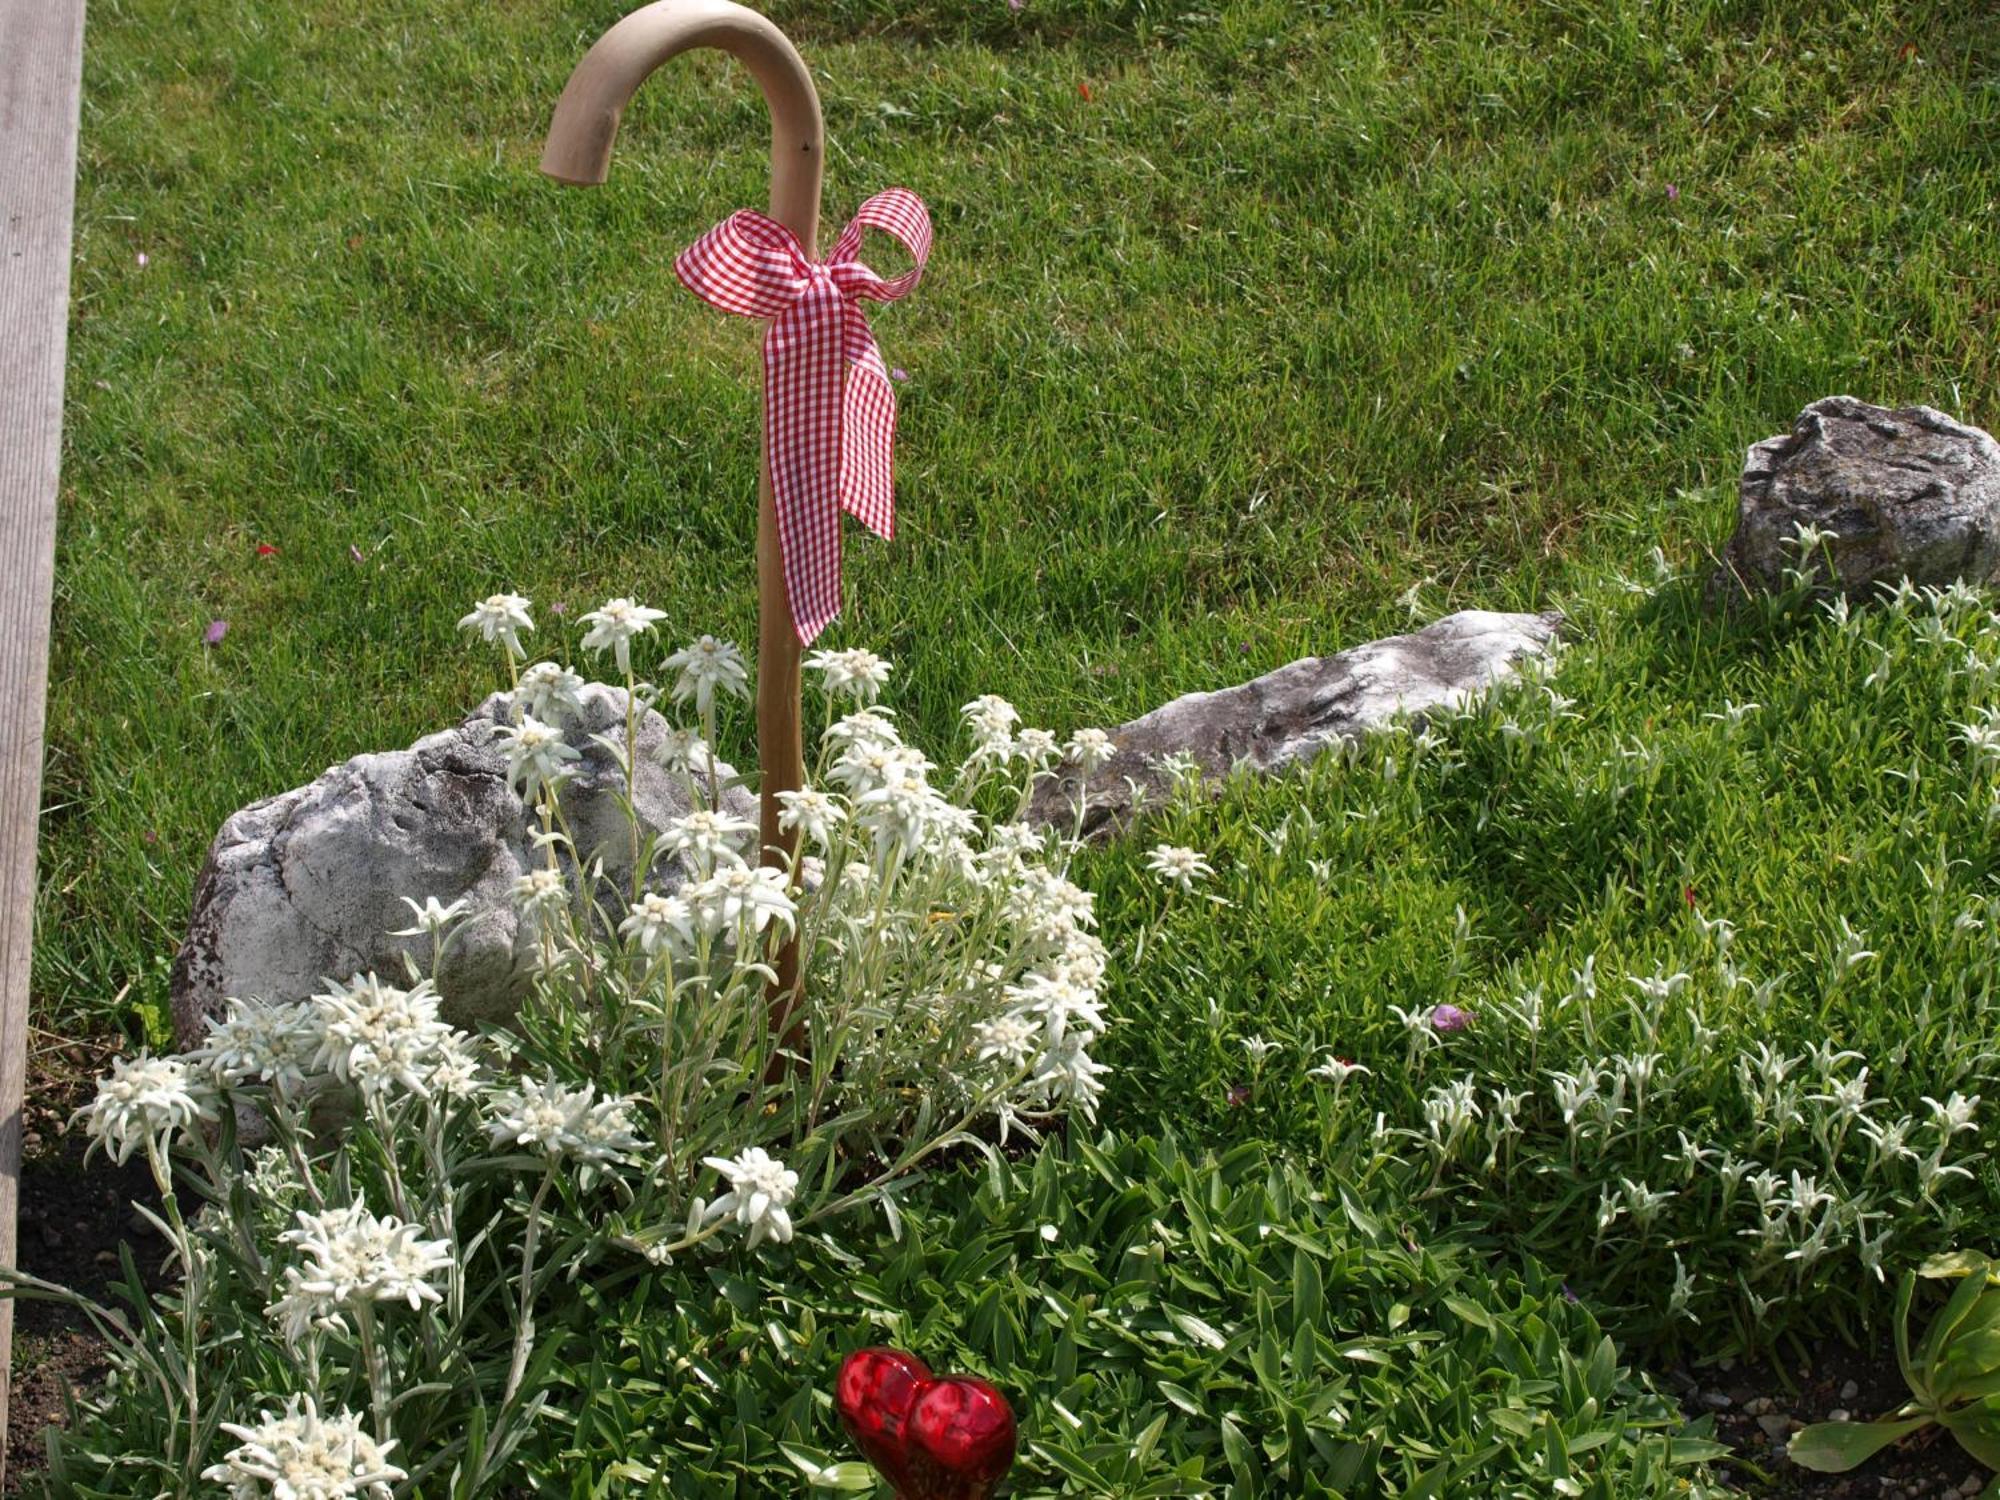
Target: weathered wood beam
{"x":41,"y":56}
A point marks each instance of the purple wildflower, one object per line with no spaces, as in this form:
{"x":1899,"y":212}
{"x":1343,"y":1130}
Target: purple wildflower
{"x":217,"y":629}
{"x":1673,"y":193}
{"x":1450,"y":1018}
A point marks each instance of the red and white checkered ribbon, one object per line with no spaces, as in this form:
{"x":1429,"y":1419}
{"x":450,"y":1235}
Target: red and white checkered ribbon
{"x":829,"y":410}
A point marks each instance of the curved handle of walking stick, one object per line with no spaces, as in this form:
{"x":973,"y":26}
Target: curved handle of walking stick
{"x":587,"y":115}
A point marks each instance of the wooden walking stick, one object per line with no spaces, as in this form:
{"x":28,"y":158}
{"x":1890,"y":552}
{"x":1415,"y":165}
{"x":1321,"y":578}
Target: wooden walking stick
{"x":829,"y":411}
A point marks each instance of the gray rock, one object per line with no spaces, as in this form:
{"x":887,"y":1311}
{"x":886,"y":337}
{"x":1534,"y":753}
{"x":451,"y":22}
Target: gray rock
{"x":307,"y":886}
{"x":1293,"y":714}
{"x":1907,"y":493}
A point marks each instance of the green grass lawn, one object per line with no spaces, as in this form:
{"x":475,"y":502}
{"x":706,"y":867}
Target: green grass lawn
{"x":1242,"y":323}
{"x":1251,"y":332}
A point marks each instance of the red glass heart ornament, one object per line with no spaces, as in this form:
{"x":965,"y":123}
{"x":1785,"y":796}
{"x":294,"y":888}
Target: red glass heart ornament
{"x":933,"y":1438}
{"x":874,"y":1393}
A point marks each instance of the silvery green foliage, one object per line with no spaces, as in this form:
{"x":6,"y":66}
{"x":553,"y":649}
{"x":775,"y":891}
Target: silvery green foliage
{"x":358,"y":1296}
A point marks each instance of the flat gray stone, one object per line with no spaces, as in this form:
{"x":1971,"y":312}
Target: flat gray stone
{"x":305,"y":887}
{"x":1295,"y":713}
{"x":1906,"y":493}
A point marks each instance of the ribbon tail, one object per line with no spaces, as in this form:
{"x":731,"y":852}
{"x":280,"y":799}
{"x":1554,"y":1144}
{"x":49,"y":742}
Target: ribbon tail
{"x":868,"y":436}
{"x":802,"y":371}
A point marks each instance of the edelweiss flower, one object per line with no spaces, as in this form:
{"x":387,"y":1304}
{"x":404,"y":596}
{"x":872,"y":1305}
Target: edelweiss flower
{"x":868,"y":726}
{"x":564,"y":1122}
{"x":1066,"y":1074}
{"x":1009,"y":1040}
{"x":863,"y":766}
{"x":991,"y":719}
{"x":900,"y":811}
{"x":736,"y":900}
{"x":549,"y":692}
{"x":500,"y":617}
{"x":537,"y":755}
{"x":432,"y":918}
{"x":860,"y":674}
{"x":659,"y":924}
{"x":760,"y":1188}
{"x":373,"y":1034}
{"x":686,"y":750}
{"x":1177,"y":864}
{"x":1336,"y":1071}
{"x":352,"y":1256}
{"x":540,"y":892}
{"x":1036,"y":748}
{"x":1089,"y":749}
{"x":302,"y":1456}
{"x":272,"y":1044}
{"x":706,"y":839}
{"x":812,"y":814}
{"x":614,"y":625}
{"x":705,"y":666}
{"x":146,"y":1099}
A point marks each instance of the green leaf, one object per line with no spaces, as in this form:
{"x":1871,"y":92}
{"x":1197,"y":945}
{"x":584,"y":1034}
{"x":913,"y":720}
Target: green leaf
{"x":1471,"y":1312}
{"x":1835,"y":1447}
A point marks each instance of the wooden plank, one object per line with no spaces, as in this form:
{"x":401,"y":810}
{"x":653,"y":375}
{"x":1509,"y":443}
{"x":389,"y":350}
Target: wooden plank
{"x":41,"y":60}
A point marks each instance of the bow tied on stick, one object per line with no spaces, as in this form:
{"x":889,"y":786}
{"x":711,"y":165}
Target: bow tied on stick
{"x":829,"y":409}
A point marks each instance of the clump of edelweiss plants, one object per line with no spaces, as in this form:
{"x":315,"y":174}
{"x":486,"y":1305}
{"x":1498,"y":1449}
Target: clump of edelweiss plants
{"x":360,"y":1300}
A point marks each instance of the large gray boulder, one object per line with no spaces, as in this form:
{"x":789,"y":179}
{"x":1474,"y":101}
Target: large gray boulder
{"x":306,"y":886}
{"x":1905,"y":493}
{"x":1296,"y":712}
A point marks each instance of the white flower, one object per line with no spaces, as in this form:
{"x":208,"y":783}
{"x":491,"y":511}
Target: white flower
{"x":500,"y":617}
{"x":302,"y":1456}
{"x":537,"y":755}
{"x":685,"y":750}
{"x":1036,"y":748}
{"x":902,"y":810}
{"x":865,"y":765}
{"x":991,"y":720}
{"x":861,"y":674}
{"x":812,"y":814}
{"x":1260,"y":1049}
{"x":659,"y":924}
{"x":732,"y":900}
{"x":272,"y":1044}
{"x":1660,"y":986}
{"x":431,"y":918}
{"x":1009,"y":1040}
{"x":1336,"y":1071}
{"x":760,"y":1189}
{"x":704,"y":667}
{"x":352,"y":1257}
{"x":1042,"y":898}
{"x":564,"y":1122}
{"x":614,"y":625}
{"x":1066,"y":1074}
{"x":1176,"y":864}
{"x":541,"y":891}
{"x":1952,"y":1116}
{"x":706,"y":839}
{"x":1061,"y":1005}
{"x":373,"y":1034}
{"x":1089,"y":749}
{"x":455,"y":1071}
{"x":868,"y":726}
{"x":549,"y":692}
{"x":146,"y":1100}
